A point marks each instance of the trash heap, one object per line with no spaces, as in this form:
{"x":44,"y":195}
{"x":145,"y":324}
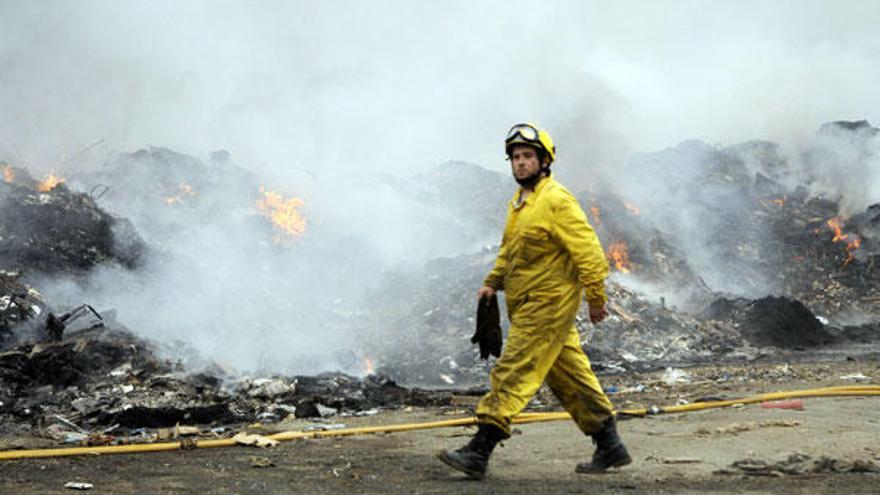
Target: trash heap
{"x":764,"y":265}
{"x":773,"y":269}
{"x":47,"y":228}
{"x":102,"y":379}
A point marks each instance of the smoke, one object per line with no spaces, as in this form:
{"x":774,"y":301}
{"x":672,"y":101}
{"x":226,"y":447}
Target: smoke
{"x":400,"y":87}
{"x":319,"y":100}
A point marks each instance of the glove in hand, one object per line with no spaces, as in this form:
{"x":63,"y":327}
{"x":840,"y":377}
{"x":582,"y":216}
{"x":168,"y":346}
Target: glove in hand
{"x":488,"y":333}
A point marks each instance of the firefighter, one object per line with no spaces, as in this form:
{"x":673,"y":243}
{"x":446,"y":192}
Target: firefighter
{"x":549,"y":257}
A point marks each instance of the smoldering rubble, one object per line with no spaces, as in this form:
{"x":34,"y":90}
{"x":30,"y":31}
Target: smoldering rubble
{"x":102,"y":378}
{"x":793,"y":276}
{"x":791,"y":271}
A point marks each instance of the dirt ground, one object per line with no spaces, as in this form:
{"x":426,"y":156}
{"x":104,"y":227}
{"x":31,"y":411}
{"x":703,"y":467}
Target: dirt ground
{"x":676,"y":453}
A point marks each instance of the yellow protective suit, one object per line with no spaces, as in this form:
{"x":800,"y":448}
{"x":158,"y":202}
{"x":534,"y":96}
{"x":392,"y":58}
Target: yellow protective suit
{"x":549,"y":254}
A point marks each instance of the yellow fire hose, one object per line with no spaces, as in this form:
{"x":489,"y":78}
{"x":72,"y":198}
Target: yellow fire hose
{"x":844,"y":391}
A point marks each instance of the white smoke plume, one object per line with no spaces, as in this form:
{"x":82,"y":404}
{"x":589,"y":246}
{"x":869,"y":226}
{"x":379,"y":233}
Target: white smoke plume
{"x":318,"y":100}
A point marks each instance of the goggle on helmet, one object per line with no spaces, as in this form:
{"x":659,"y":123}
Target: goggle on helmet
{"x":529,"y":134}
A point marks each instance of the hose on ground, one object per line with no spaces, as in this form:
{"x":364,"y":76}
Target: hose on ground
{"x":528,"y":417}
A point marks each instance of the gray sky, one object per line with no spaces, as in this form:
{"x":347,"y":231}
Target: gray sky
{"x":401,"y":86}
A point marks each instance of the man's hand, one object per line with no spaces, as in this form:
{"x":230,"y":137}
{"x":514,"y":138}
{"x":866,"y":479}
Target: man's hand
{"x":597,"y":313}
{"x":485,"y":291}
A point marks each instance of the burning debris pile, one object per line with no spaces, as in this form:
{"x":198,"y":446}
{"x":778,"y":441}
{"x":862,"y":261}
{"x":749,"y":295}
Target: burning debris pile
{"x":47,"y":228}
{"x":102,"y":378}
{"x":83,"y":382}
{"x":727,"y":262}
{"x":742,"y":220}
{"x":728,"y":258}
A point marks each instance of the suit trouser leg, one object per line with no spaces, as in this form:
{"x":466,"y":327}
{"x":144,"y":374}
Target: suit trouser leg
{"x":572,"y":380}
{"x":528,"y":357}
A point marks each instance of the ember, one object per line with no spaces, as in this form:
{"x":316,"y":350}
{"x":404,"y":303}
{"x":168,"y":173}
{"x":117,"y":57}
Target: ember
{"x":369,"y":367}
{"x":183,"y":192}
{"x":635,"y":210}
{"x":773,"y":202}
{"x":596,"y":214}
{"x":284,"y":213}
{"x":619,"y":257}
{"x":853,"y":242}
{"x":8,"y":174}
{"x":49,"y":183}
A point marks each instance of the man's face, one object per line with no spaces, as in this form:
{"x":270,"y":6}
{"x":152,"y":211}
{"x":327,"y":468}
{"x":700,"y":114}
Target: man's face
{"x":524,"y":161}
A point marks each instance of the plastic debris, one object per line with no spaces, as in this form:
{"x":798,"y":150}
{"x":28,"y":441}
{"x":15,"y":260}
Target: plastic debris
{"x":796,"y":404}
{"x":325,"y":411}
{"x":78,"y":485}
{"x":855,"y":376}
{"x":673,"y":376}
{"x":244,"y":438}
{"x":324,"y":427}
{"x":261,"y":462}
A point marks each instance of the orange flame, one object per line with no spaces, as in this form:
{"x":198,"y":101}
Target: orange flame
{"x":596,"y":214}
{"x":619,"y":256}
{"x":8,"y":174}
{"x":635,"y":210}
{"x":853,"y":242}
{"x":284,"y":213}
{"x":369,"y":367}
{"x":49,"y":183}
{"x":183,"y":192}
{"x":780,"y":202}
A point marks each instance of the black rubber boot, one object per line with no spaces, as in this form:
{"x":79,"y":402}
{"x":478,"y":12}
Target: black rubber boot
{"x":610,"y":451}
{"x":473,"y":458}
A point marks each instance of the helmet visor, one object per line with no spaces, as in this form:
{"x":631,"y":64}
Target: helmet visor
{"x":524,"y":131}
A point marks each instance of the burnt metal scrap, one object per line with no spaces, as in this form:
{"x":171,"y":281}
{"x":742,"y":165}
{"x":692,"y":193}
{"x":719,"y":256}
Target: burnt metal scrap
{"x":25,"y":315}
{"x":55,"y":325}
{"x":19,"y":306}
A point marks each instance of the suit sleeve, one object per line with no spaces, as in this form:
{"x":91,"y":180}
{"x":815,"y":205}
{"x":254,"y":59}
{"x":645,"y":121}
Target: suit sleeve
{"x":495,"y":278}
{"x":577,"y":236}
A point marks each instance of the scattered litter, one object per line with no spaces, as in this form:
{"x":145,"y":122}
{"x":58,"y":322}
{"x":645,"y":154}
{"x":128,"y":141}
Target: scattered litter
{"x":673,"y":376}
{"x":177,"y":431}
{"x":268,"y":388}
{"x":74,"y":437}
{"x":68,"y":423}
{"x":680,"y":460}
{"x":324,"y":427}
{"x":261,"y":462}
{"x":78,"y":485}
{"x":796,"y":404}
{"x":634,"y":388}
{"x":799,"y":464}
{"x":855,"y":376}
{"x":98,"y":440}
{"x":741,"y":427}
{"x":672,"y":460}
{"x":255,"y":440}
{"x":325,"y":411}
{"x":122,"y":370}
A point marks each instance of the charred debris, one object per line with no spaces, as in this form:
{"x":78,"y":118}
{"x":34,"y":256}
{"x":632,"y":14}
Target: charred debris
{"x":733,"y":254}
{"x":777,"y":270}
